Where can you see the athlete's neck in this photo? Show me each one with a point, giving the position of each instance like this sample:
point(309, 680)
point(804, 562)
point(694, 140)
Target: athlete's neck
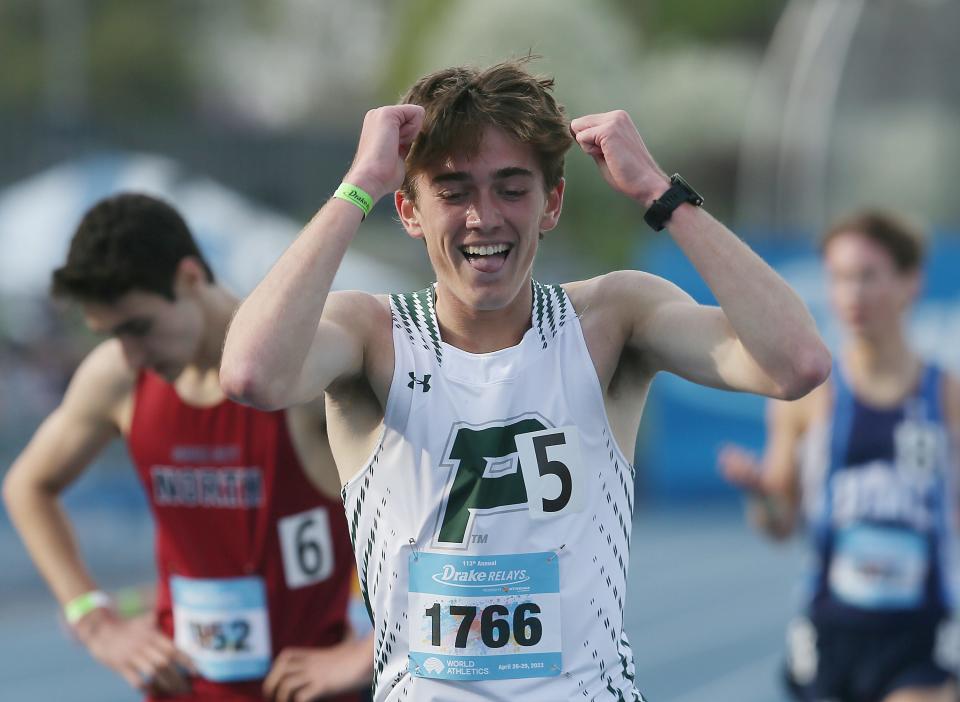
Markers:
point(199, 383)
point(881, 373)
point(885, 356)
point(218, 307)
point(483, 331)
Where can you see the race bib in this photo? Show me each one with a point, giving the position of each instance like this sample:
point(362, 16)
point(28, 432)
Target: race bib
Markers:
point(878, 567)
point(307, 547)
point(920, 449)
point(484, 617)
point(553, 472)
point(223, 626)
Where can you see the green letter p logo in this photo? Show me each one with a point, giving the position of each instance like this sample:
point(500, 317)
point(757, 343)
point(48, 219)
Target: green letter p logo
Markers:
point(486, 476)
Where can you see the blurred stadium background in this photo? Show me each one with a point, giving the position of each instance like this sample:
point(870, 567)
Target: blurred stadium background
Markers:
point(784, 113)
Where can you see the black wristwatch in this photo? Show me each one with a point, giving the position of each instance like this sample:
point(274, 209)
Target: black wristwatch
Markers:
point(678, 193)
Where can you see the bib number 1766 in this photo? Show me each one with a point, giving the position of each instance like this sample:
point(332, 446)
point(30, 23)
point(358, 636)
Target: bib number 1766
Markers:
point(495, 624)
point(491, 617)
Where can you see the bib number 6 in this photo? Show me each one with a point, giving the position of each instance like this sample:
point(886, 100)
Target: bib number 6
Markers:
point(307, 547)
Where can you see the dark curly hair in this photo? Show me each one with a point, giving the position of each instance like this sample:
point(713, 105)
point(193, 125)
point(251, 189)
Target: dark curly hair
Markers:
point(126, 242)
point(460, 102)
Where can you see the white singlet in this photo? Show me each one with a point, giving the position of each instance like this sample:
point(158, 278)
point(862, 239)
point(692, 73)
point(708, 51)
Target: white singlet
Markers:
point(492, 524)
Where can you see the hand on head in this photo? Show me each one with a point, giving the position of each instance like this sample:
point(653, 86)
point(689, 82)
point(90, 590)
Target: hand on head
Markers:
point(385, 139)
point(615, 145)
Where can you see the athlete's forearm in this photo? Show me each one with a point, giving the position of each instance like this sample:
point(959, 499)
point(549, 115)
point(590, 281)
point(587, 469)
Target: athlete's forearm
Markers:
point(771, 322)
point(38, 517)
point(272, 331)
point(270, 337)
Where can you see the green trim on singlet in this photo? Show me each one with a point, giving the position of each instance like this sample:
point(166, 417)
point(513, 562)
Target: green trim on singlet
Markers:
point(417, 313)
point(418, 316)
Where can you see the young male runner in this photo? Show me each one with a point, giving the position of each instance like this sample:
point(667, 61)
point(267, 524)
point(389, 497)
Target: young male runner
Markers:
point(865, 461)
point(253, 559)
point(478, 424)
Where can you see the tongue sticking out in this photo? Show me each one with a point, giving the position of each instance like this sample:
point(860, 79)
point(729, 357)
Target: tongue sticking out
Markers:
point(487, 264)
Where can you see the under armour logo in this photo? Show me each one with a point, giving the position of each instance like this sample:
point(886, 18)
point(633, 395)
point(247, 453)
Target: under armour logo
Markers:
point(414, 381)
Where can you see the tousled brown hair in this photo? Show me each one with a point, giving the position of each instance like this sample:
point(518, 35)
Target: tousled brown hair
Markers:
point(460, 102)
point(904, 242)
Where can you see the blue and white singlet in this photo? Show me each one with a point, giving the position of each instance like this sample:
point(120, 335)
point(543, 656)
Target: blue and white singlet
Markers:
point(877, 487)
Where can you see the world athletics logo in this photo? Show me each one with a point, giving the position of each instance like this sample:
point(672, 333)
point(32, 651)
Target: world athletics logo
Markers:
point(433, 665)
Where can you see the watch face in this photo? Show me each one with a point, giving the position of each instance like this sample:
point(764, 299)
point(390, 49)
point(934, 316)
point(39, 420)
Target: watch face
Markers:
point(679, 192)
point(692, 196)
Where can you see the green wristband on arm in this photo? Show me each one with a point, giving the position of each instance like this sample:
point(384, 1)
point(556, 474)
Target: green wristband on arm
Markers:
point(81, 605)
point(360, 198)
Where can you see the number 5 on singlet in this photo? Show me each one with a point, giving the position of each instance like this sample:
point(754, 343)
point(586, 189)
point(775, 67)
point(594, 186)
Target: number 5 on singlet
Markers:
point(552, 471)
point(484, 475)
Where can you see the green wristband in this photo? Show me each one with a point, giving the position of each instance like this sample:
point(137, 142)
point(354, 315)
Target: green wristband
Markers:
point(130, 601)
point(81, 605)
point(360, 198)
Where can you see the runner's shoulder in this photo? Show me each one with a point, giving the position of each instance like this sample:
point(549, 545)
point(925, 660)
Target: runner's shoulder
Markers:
point(624, 293)
point(354, 309)
point(102, 381)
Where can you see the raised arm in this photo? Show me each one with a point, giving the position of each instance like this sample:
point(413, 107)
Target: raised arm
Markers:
point(59, 451)
point(287, 343)
point(761, 339)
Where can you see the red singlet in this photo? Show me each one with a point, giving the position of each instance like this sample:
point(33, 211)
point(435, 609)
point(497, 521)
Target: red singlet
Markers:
point(231, 501)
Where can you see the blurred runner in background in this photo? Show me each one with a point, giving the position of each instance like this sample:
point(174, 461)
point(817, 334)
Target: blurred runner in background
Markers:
point(253, 558)
point(865, 462)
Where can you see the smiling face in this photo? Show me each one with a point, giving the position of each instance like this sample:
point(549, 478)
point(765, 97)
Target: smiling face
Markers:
point(481, 217)
point(868, 292)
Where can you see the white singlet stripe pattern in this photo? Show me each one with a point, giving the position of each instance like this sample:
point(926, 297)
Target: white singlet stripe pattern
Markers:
point(492, 524)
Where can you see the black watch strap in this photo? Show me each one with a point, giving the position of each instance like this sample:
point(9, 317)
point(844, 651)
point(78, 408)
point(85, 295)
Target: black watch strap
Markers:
point(678, 193)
